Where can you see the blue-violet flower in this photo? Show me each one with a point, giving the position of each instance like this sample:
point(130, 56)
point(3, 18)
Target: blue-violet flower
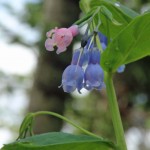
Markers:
point(73, 75)
point(72, 78)
point(94, 75)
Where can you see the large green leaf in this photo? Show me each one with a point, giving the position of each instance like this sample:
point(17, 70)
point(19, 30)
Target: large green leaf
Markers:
point(120, 13)
point(60, 141)
point(131, 44)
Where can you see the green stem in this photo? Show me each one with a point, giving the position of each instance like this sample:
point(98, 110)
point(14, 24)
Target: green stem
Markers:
point(65, 119)
point(115, 114)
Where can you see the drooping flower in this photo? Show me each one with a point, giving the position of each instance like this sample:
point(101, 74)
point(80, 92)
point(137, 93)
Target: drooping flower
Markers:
point(73, 75)
point(72, 78)
point(94, 75)
point(60, 38)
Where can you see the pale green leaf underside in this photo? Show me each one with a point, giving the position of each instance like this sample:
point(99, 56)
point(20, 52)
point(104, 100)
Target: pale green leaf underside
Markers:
point(60, 141)
point(128, 13)
point(121, 14)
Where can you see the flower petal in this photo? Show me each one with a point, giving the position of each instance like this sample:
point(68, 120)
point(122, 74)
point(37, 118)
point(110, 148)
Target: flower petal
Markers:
point(49, 44)
point(63, 36)
point(103, 38)
point(69, 87)
point(94, 76)
point(94, 56)
point(51, 32)
point(72, 78)
point(61, 49)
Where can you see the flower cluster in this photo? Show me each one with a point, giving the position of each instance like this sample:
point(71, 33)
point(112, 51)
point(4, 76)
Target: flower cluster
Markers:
point(87, 57)
point(85, 70)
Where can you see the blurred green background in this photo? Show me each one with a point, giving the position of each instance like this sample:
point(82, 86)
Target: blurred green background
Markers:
point(30, 76)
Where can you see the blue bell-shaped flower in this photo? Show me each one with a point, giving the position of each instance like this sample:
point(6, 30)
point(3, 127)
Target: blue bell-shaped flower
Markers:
point(72, 78)
point(94, 75)
point(73, 75)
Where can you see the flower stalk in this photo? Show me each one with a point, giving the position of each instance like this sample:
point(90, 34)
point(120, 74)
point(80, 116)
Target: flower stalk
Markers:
point(114, 111)
point(66, 120)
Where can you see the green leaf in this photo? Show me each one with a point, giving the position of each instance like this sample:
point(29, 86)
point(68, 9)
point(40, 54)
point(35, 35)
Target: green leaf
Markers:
point(85, 5)
point(26, 124)
point(109, 15)
point(60, 141)
point(120, 14)
point(131, 44)
point(86, 17)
